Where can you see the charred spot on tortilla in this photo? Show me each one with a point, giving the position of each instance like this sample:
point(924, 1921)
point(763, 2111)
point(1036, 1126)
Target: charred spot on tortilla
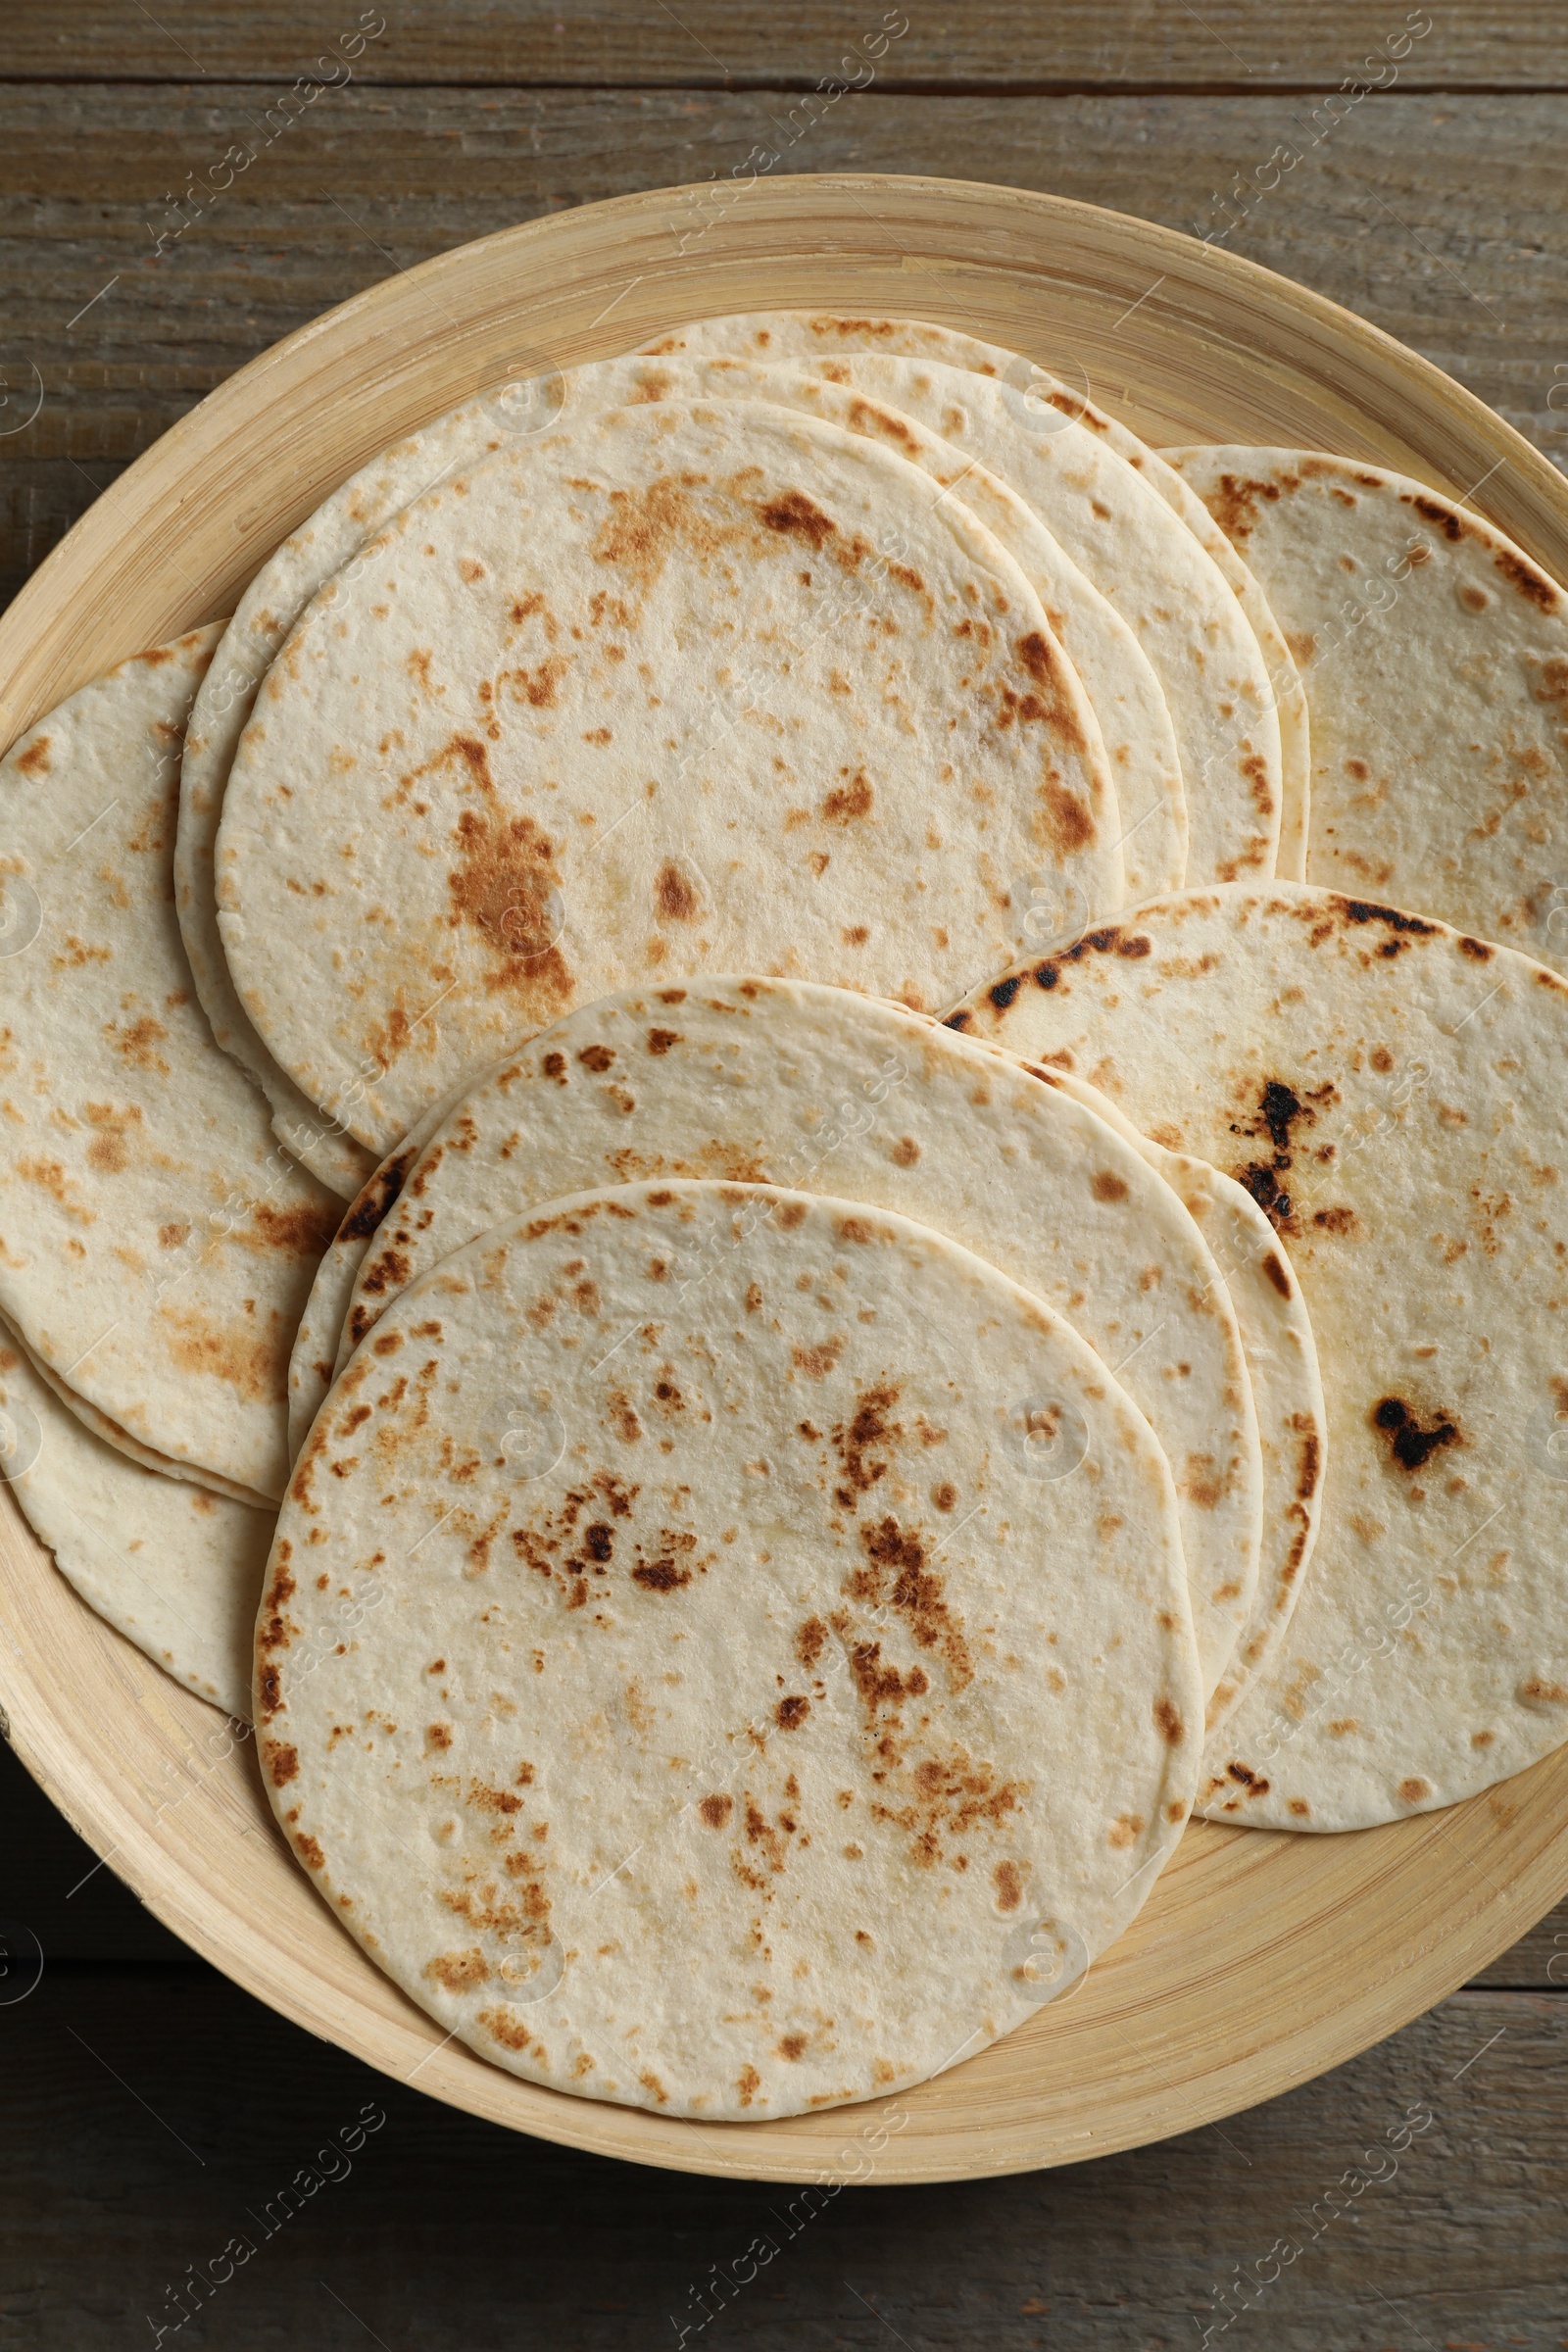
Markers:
point(1367, 911)
point(1410, 1444)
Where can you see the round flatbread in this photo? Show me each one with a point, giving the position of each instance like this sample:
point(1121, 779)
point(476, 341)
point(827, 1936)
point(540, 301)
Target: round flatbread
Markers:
point(1114, 520)
point(1390, 1091)
point(1123, 692)
point(916, 338)
point(275, 599)
point(1435, 656)
point(467, 796)
point(174, 1569)
point(156, 1242)
point(1287, 1389)
point(1116, 675)
point(726, 1651)
point(121, 1440)
point(315, 1342)
point(781, 1082)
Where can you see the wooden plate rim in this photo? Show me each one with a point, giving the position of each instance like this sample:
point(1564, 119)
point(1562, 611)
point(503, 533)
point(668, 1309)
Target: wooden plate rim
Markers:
point(1500, 1858)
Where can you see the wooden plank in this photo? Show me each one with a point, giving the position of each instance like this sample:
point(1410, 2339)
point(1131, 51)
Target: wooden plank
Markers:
point(1007, 44)
point(1538, 1960)
point(1436, 220)
point(1415, 2197)
point(56, 1887)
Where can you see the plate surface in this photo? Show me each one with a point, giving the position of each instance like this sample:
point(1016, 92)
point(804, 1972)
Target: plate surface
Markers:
point(1261, 1959)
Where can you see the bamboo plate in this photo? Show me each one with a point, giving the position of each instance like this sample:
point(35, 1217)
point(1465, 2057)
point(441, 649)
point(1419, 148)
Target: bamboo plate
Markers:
point(1261, 1959)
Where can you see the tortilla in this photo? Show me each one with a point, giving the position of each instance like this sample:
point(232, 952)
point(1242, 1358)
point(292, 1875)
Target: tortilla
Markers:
point(175, 1570)
point(275, 599)
point(1282, 1365)
point(111, 1434)
point(1284, 680)
point(316, 1342)
point(1435, 656)
point(156, 1245)
point(914, 338)
point(1118, 680)
point(428, 844)
point(1389, 1089)
point(750, 1744)
point(1116, 675)
point(1111, 520)
point(786, 1083)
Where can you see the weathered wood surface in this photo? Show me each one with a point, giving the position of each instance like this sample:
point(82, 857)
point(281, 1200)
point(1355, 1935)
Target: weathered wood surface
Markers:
point(1007, 44)
point(1437, 217)
point(1414, 2198)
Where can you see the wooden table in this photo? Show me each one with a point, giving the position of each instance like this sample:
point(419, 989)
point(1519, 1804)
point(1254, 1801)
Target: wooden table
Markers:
point(151, 2113)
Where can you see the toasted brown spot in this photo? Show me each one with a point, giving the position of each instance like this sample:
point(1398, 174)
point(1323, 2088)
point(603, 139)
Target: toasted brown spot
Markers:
point(870, 1428)
point(255, 1362)
point(1169, 1721)
point(716, 1810)
point(1009, 1885)
point(1367, 911)
point(1204, 1482)
point(1532, 584)
point(792, 511)
point(138, 1043)
point(660, 1576)
point(1106, 1187)
point(791, 1713)
point(499, 885)
point(1413, 1789)
point(304, 1231)
point(848, 802)
point(1274, 1268)
point(283, 1763)
point(674, 897)
point(917, 1593)
point(110, 1148)
point(1411, 1445)
point(1307, 1476)
point(459, 1972)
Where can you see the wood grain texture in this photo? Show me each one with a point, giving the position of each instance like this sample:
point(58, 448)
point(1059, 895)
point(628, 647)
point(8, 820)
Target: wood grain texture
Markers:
point(1260, 1959)
point(1436, 218)
point(440, 2233)
point(1007, 44)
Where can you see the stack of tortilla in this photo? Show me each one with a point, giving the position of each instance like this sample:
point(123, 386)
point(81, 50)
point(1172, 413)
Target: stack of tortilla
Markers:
point(860, 1083)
